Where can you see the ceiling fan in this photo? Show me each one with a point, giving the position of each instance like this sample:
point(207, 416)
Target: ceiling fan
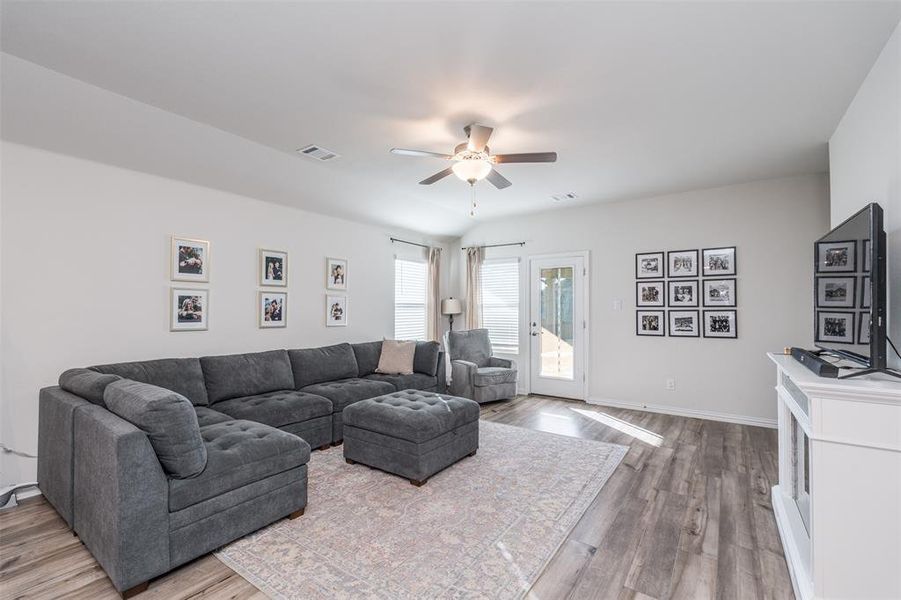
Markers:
point(473, 160)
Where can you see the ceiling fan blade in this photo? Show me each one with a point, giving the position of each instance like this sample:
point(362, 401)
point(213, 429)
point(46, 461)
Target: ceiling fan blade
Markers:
point(478, 136)
point(498, 180)
point(436, 177)
point(527, 157)
point(406, 152)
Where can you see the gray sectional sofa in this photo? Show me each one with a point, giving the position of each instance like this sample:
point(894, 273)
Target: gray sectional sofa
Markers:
point(155, 463)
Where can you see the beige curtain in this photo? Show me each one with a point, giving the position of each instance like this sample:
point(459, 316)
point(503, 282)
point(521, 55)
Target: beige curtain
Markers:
point(434, 299)
point(474, 259)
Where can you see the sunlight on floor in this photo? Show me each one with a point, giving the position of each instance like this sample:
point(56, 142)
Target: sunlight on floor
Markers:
point(556, 423)
point(648, 437)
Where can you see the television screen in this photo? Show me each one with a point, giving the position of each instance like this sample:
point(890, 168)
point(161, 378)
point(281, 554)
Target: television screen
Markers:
point(849, 289)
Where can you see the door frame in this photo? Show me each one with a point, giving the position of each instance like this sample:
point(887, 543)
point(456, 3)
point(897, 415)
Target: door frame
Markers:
point(586, 311)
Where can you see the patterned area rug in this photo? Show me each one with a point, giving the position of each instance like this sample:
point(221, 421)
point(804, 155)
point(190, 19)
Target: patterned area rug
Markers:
point(484, 527)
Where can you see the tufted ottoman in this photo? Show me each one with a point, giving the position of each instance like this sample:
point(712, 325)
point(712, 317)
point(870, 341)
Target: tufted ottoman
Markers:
point(411, 433)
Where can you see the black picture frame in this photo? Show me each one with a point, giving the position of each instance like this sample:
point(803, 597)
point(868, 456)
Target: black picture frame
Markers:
point(669, 264)
point(719, 273)
point(660, 283)
point(863, 325)
point(734, 301)
point(732, 334)
point(670, 295)
point(851, 266)
point(866, 291)
point(850, 303)
point(661, 261)
point(865, 256)
point(661, 314)
point(671, 330)
point(850, 318)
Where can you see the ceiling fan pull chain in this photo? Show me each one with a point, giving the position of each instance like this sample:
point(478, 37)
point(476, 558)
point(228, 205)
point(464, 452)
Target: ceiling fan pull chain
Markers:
point(472, 192)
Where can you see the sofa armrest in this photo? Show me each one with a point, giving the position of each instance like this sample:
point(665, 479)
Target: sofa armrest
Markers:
point(441, 374)
point(121, 498)
point(504, 363)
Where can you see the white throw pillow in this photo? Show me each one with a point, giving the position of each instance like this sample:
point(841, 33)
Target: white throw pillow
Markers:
point(396, 358)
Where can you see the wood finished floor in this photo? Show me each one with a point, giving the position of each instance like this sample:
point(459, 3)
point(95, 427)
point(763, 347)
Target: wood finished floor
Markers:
point(687, 514)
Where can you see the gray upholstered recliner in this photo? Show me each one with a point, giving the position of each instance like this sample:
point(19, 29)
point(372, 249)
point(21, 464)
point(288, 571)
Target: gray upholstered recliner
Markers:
point(475, 374)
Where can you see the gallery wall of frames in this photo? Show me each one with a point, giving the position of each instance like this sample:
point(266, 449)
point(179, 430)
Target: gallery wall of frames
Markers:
point(687, 293)
point(843, 292)
point(189, 305)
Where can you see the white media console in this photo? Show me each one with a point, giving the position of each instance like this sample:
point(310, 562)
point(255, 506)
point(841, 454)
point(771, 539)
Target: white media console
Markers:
point(838, 501)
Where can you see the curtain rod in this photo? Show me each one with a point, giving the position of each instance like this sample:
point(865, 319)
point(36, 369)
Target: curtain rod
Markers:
point(406, 242)
point(495, 245)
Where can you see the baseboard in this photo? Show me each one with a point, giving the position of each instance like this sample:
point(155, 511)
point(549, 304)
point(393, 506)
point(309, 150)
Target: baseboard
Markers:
point(687, 412)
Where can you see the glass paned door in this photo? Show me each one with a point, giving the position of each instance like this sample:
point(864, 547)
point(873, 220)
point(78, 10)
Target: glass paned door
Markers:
point(557, 326)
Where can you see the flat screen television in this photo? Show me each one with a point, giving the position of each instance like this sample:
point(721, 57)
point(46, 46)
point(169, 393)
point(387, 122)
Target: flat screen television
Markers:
point(849, 290)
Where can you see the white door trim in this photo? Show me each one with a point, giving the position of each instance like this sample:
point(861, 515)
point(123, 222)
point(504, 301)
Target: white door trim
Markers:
point(586, 311)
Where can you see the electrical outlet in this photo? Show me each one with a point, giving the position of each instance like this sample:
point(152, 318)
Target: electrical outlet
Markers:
point(671, 384)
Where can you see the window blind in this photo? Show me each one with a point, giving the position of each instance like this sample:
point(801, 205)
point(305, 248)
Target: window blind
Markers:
point(500, 303)
point(409, 299)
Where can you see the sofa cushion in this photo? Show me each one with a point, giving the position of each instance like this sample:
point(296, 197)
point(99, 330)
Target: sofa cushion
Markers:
point(239, 453)
point(416, 381)
point(277, 409)
point(86, 383)
point(315, 365)
point(411, 415)
point(425, 360)
point(397, 357)
point(473, 346)
point(493, 376)
point(237, 375)
point(167, 418)
point(208, 416)
point(367, 354)
point(348, 391)
point(182, 375)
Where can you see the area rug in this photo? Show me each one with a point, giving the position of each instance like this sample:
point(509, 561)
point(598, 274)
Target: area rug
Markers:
point(485, 527)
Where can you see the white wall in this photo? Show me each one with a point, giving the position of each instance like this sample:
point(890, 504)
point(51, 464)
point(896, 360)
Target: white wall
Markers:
point(85, 280)
point(865, 163)
point(773, 224)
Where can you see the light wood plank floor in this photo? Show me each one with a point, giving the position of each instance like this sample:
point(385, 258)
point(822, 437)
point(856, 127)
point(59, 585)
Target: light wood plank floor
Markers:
point(686, 515)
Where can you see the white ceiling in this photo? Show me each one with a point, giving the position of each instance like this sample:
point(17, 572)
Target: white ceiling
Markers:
point(637, 98)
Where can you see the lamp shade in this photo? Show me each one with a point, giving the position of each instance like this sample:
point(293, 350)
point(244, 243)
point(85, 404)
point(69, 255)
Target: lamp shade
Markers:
point(451, 306)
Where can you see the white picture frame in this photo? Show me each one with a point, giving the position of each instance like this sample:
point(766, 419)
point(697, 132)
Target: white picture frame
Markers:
point(273, 268)
point(336, 273)
point(189, 260)
point(189, 309)
point(335, 310)
point(272, 309)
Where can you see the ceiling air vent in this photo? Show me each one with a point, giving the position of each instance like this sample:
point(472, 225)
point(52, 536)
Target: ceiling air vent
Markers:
point(318, 152)
point(564, 197)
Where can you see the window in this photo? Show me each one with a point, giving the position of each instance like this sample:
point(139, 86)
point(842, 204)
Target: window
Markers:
point(409, 299)
point(500, 303)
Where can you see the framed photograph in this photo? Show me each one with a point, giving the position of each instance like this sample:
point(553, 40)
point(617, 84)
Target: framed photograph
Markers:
point(836, 292)
point(335, 310)
point(650, 293)
point(273, 308)
point(650, 322)
point(649, 265)
point(682, 293)
point(336, 273)
point(865, 250)
point(720, 324)
point(719, 292)
point(273, 268)
point(863, 328)
point(866, 291)
point(682, 263)
point(188, 309)
point(684, 323)
point(836, 257)
point(836, 327)
point(718, 261)
point(189, 260)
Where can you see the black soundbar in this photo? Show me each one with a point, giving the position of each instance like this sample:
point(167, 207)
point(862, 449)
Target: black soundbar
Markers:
point(815, 363)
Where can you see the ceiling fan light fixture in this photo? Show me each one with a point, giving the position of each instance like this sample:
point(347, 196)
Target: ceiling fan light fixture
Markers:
point(471, 169)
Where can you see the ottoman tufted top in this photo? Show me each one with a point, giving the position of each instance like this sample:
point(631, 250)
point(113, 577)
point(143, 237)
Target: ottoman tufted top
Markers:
point(411, 415)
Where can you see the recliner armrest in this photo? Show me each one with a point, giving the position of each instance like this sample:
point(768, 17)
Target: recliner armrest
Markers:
point(503, 363)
